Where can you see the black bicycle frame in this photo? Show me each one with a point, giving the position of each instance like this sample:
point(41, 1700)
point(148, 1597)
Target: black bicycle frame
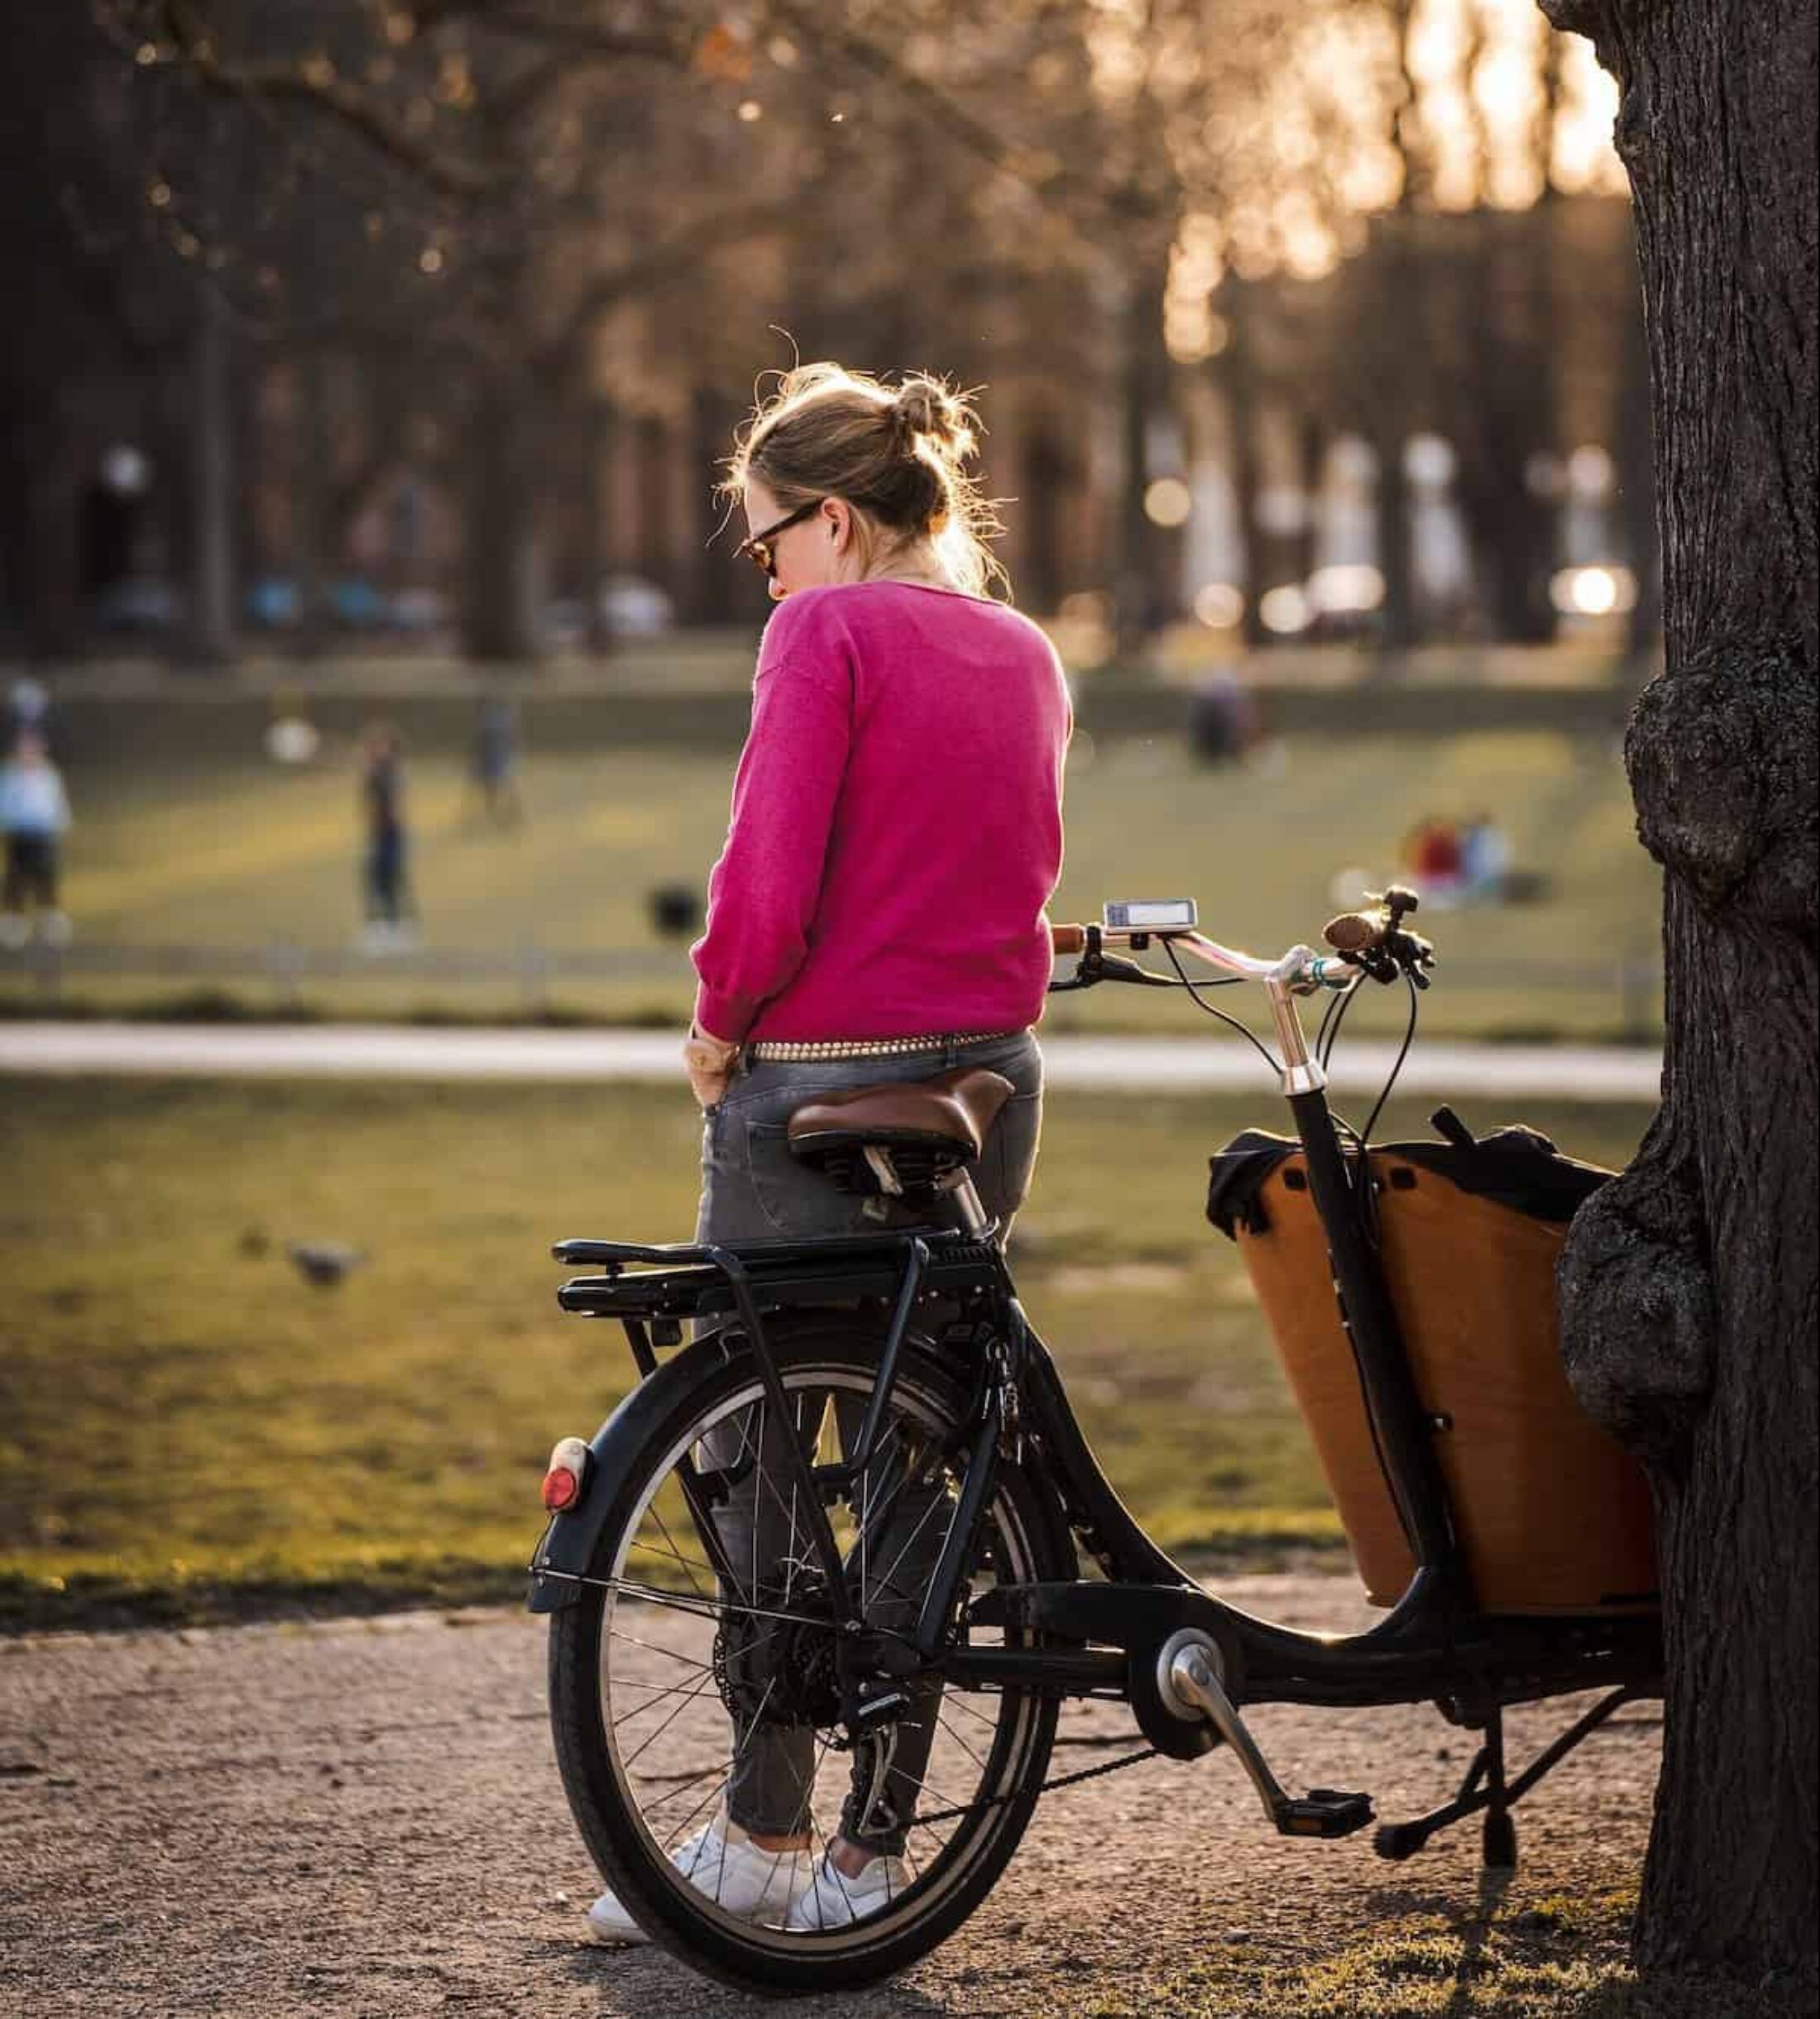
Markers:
point(1081, 1636)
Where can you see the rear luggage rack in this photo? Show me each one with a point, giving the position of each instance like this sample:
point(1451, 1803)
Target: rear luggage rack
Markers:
point(684, 1280)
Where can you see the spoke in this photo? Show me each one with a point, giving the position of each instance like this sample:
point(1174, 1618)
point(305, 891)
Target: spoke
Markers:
point(944, 1724)
point(689, 1565)
point(713, 1794)
point(650, 1739)
point(946, 1799)
point(943, 1501)
point(758, 1481)
point(720, 1611)
point(684, 1777)
point(957, 1700)
point(617, 1683)
point(652, 1648)
point(688, 1686)
point(739, 1753)
point(806, 1807)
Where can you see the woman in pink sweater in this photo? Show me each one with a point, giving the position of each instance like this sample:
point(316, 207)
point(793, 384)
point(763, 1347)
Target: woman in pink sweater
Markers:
point(876, 914)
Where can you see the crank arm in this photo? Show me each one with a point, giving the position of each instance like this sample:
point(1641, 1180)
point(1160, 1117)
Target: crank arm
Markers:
point(1322, 1812)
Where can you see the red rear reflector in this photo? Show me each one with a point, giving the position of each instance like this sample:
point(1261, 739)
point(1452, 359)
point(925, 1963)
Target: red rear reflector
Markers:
point(568, 1468)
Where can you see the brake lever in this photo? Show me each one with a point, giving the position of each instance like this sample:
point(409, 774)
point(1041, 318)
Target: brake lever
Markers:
point(1412, 955)
point(1092, 970)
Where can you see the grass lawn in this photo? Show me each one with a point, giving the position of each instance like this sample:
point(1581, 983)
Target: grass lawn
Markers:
point(1511, 1954)
point(187, 1429)
point(215, 851)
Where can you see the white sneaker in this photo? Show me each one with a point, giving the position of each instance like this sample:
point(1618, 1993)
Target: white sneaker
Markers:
point(14, 930)
point(722, 1861)
point(832, 1900)
point(54, 929)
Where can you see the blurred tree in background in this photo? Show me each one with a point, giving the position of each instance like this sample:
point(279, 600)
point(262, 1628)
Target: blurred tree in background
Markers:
point(1271, 301)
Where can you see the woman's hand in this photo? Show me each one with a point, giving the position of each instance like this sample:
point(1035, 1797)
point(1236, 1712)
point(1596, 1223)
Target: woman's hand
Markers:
point(709, 1061)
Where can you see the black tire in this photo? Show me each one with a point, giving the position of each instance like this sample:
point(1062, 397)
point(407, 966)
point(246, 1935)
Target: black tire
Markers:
point(1025, 1537)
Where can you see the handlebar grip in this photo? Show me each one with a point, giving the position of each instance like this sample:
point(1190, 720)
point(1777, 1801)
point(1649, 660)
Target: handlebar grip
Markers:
point(1068, 939)
point(1356, 931)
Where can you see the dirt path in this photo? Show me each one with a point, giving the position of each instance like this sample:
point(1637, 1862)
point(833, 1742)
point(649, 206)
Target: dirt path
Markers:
point(363, 1818)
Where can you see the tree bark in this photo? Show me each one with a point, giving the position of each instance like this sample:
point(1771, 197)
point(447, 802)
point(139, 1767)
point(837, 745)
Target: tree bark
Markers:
point(1394, 296)
point(601, 431)
point(1233, 374)
point(209, 639)
point(1690, 1293)
point(1636, 505)
point(44, 560)
point(1506, 416)
point(310, 503)
point(1141, 601)
point(500, 556)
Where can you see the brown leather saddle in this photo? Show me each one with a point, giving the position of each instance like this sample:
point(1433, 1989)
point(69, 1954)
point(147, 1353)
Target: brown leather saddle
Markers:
point(903, 1139)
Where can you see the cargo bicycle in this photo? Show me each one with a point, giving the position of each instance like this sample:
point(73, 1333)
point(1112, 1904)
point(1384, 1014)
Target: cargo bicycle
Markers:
point(853, 1523)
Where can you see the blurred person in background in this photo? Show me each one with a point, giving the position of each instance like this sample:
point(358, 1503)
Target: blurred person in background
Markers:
point(34, 817)
point(1431, 855)
point(876, 914)
point(495, 761)
point(391, 915)
point(28, 709)
point(1485, 861)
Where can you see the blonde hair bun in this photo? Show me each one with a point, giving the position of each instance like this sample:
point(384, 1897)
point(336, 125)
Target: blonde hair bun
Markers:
point(897, 454)
point(925, 409)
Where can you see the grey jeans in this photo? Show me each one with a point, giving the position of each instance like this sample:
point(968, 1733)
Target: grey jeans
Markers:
point(753, 1188)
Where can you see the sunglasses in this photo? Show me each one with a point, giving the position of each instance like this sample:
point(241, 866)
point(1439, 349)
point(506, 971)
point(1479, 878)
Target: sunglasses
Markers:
point(759, 549)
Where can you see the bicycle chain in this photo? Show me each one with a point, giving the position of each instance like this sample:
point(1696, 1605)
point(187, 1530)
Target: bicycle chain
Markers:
point(1066, 1780)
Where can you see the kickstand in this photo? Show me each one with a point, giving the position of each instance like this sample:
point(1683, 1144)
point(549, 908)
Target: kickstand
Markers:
point(1485, 1787)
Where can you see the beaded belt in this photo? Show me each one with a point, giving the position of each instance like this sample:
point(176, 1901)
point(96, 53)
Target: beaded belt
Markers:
point(770, 1051)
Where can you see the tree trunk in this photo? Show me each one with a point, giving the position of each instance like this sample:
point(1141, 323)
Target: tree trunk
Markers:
point(1636, 502)
point(1393, 296)
point(713, 419)
point(1311, 456)
point(1140, 598)
point(210, 640)
point(46, 589)
point(1689, 1291)
point(1507, 417)
point(1395, 548)
point(602, 436)
point(500, 560)
point(1233, 374)
point(1047, 472)
point(309, 502)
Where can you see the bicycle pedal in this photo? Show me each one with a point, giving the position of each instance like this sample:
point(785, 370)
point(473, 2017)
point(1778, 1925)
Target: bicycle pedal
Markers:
point(1324, 1812)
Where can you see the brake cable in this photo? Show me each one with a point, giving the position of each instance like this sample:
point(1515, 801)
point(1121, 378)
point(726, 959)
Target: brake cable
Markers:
point(1409, 1039)
point(1193, 989)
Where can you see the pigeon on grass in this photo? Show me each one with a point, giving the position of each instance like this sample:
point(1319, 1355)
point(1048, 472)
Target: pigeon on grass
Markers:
point(325, 1263)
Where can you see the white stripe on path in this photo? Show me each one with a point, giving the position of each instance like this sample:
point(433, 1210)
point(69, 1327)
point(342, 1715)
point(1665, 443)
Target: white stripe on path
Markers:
point(1137, 1065)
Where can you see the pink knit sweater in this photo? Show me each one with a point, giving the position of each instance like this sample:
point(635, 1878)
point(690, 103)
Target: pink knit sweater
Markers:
point(897, 822)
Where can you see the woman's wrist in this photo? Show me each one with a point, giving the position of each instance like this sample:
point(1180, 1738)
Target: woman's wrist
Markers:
point(711, 1053)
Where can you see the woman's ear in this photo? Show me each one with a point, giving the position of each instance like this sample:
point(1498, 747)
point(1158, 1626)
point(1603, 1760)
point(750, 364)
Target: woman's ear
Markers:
point(837, 521)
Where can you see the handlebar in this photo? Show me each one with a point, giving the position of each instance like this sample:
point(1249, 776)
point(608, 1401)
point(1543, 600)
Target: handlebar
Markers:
point(1370, 941)
point(1300, 967)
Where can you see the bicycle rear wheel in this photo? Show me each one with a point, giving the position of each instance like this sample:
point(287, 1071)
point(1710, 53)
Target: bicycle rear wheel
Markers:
point(674, 1691)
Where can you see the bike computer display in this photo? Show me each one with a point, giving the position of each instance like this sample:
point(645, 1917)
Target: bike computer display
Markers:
point(1153, 914)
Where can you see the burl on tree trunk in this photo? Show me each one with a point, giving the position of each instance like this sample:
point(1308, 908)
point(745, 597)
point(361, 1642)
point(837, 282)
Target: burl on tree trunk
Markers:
point(1689, 1289)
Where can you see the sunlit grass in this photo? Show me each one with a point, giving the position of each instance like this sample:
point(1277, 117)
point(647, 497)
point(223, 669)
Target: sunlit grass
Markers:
point(1513, 1954)
point(212, 852)
point(186, 1424)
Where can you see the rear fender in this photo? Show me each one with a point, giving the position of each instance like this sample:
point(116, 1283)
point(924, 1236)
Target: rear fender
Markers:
point(566, 1549)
